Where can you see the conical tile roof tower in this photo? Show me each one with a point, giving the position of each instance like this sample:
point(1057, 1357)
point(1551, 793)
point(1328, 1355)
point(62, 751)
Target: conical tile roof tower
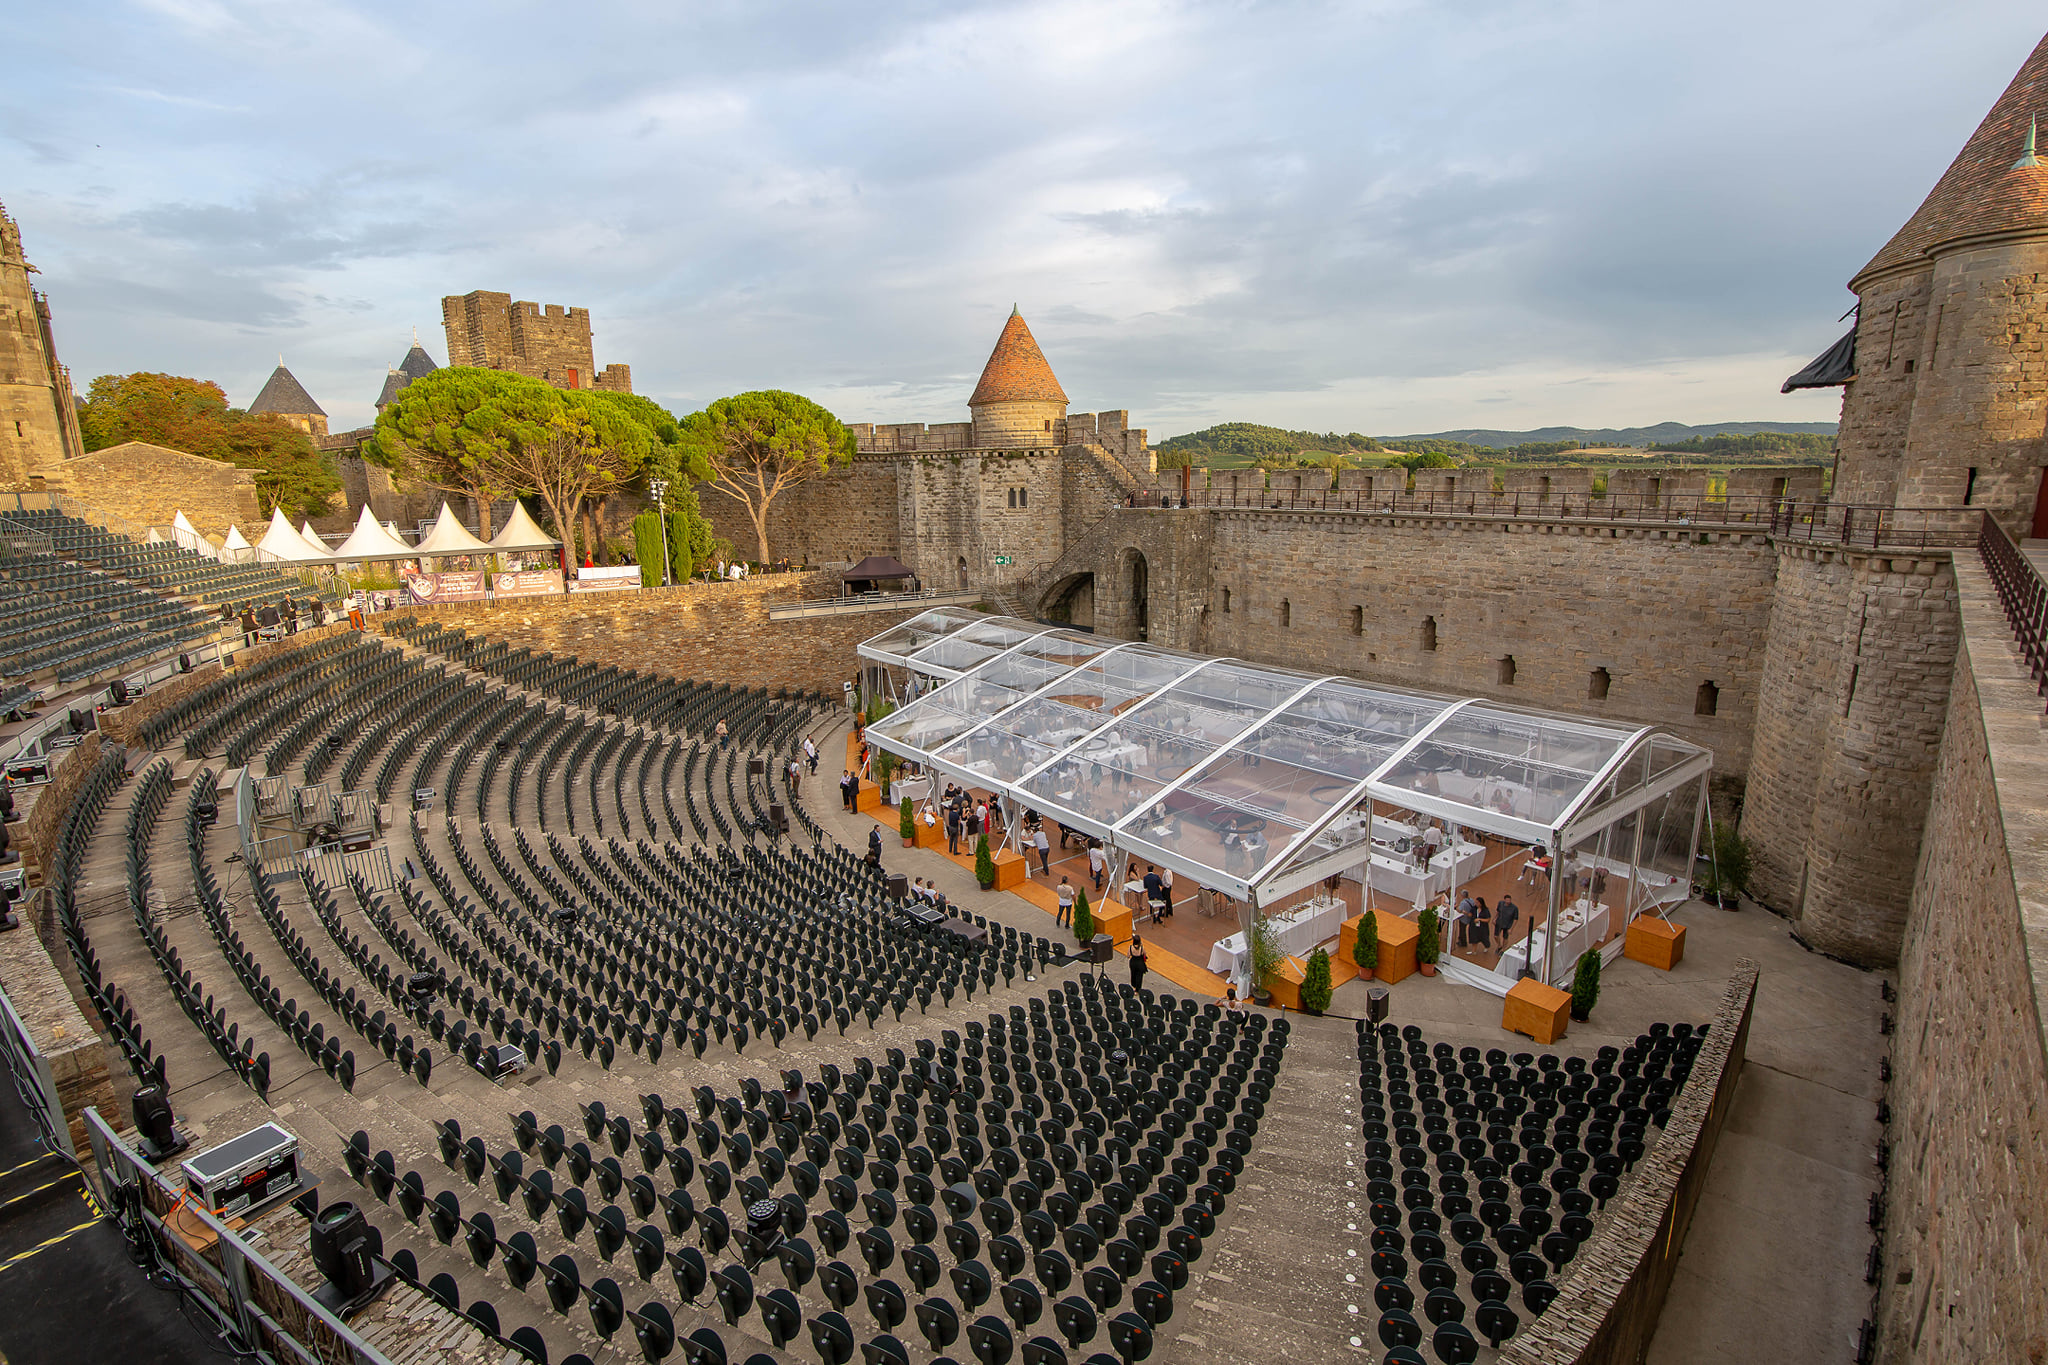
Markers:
point(1995, 186)
point(1018, 402)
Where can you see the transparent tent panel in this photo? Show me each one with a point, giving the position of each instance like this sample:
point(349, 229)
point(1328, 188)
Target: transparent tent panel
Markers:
point(930, 722)
point(1529, 766)
point(977, 644)
point(919, 631)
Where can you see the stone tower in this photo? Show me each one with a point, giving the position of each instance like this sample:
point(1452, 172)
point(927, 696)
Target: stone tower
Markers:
point(491, 332)
point(1018, 401)
point(1951, 383)
point(38, 417)
point(1945, 409)
point(284, 396)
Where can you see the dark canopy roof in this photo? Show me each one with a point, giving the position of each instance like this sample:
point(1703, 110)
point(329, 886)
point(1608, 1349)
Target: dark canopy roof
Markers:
point(416, 365)
point(1835, 365)
point(876, 566)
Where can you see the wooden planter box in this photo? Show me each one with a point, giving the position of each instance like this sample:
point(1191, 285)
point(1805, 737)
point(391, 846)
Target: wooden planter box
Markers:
point(1112, 919)
point(870, 798)
point(1542, 1012)
point(1009, 868)
point(931, 836)
point(1398, 938)
point(1285, 983)
point(1655, 942)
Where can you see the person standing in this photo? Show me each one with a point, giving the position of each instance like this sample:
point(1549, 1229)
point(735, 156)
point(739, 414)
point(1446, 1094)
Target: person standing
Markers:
point(1137, 963)
point(1066, 894)
point(1098, 863)
point(953, 828)
point(847, 787)
point(1155, 892)
point(291, 617)
point(724, 737)
point(248, 622)
point(1466, 907)
point(1482, 923)
point(875, 846)
point(1504, 916)
point(811, 754)
point(1044, 847)
point(796, 777)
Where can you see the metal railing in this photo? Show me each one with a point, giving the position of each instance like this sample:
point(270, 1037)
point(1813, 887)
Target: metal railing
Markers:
point(33, 1079)
point(245, 1294)
point(1820, 521)
point(871, 601)
point(2022, 593)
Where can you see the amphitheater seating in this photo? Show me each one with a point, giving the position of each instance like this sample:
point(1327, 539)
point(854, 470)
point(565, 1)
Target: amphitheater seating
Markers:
point(1509, 1158)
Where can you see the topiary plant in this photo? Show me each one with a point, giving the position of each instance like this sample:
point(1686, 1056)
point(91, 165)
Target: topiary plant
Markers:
point(1586, 985)
point(1084, 918)
point(1429, 943)
point(1365, 951)
point(1315, 983)
point(906, 824)
point(984, 864)
point(1266, 954)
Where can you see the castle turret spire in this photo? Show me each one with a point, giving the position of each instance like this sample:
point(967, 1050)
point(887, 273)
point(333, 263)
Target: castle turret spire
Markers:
point(2027, 159)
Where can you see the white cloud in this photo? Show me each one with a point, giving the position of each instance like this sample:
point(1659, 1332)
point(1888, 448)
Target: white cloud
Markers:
point(1387, 217)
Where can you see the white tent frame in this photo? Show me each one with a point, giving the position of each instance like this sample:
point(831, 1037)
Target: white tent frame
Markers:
point(1289, 869)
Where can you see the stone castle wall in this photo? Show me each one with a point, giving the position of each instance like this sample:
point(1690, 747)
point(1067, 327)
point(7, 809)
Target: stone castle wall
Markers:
point(1877, 406)
point(37, 426)
point(1659, 611)
point(148, 485)
point(490, 331)
point(1983, 390)
point(1020, 424)
point(1854, 690)
point(718, 632)
point(1966, 1186)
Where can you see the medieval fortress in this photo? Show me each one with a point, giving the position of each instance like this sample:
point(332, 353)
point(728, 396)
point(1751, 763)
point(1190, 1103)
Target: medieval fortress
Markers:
point(1843, 665)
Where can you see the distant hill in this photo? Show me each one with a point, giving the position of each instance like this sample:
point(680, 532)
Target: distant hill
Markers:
point(1664, 433)
point(1243, 443)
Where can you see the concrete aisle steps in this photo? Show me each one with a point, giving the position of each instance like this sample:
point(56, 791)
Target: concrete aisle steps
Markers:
point(1270, 1285)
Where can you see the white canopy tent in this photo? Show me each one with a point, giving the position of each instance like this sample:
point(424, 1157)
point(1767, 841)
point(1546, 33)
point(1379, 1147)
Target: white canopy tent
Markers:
point(1261, 781)
point(236, 548)
point(312, 538)
point(186, 536)
point(282, 543)
point(450, 537)
point(521, 533)
point(370, 542)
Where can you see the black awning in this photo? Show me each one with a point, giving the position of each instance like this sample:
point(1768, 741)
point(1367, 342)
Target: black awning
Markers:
point(1835, 365)
point(876, 567)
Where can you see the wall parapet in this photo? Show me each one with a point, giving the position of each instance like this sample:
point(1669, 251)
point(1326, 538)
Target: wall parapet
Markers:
point(1607, 1308)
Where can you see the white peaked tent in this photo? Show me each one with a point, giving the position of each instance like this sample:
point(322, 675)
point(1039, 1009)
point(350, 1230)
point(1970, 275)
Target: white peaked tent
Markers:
point(521, 534)
point(281, 542)
point(312, 538)
point(236, 548)
point(369, 542)
point(155, 537)
point(450, 537)
point(186, 535)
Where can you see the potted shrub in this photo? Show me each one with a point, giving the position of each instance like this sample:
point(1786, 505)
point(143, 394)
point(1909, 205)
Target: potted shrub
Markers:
point(1731, 867)
point(1429, 944)
point(1586, 985)
point(1265, 948)
point(906, 823)
point(1315, 983)
point(1365, 950)
point(984, 864)
point(1084, 918)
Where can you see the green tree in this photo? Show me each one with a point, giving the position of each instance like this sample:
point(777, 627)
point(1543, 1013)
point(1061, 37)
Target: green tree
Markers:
point(757, 446)
point(1365, 949)
point(1586, 984)
point(906, 824)
point(984, 863)
point(577, 450)
point(1084, 918)
point(454, 429)
point(1315, 983)
point(193, 415)
point(647, 548)
point(1429, 937)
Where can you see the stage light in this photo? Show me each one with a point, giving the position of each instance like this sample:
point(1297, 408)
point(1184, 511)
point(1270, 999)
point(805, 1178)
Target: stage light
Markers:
point(157, 1124)
point(342, 1249)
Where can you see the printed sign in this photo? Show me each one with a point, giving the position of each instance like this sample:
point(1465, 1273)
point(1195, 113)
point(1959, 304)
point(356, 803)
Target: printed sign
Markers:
point(529, 583)
point(1002, 559)
point(599, 580)
point(445, 587)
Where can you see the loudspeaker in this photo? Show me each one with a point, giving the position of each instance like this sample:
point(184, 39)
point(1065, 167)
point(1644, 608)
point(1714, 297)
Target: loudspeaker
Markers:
point(1376, 1005)
point(757, 767)
point(897, 887)
point(1101, 948)
point(779, 818)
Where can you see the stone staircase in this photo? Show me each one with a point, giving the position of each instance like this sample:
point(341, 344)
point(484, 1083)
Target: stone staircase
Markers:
point(1271, 1284)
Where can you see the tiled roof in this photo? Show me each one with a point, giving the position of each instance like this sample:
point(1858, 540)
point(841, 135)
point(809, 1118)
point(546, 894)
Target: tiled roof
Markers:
point(1016, 371)
point(284, 394)
point(1982, 191)
point(417, 363)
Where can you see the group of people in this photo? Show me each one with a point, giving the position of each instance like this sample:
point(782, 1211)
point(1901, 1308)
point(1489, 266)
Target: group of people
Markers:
point(1477, 923)
point(969, 816)
point(255, 618)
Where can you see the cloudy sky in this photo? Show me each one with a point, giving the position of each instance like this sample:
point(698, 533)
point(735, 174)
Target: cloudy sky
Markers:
point(1384, 217)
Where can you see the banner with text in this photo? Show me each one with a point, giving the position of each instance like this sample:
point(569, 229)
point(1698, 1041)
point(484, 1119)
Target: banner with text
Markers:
point(528, 583)
point(591, 579)
point(445, 587)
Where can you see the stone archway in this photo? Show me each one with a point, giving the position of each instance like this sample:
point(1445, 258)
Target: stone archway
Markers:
point(1071, 601)
point(1138, 579)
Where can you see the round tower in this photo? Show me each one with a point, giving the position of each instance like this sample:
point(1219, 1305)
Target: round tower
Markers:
point(1018, 401)
point(1945, 409)
point(283, 396)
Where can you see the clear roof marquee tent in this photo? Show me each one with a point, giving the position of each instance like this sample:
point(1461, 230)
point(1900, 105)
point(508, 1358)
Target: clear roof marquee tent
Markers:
point(1165, 753)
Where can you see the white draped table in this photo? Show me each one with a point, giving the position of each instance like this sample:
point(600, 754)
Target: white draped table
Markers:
point(1298, 932)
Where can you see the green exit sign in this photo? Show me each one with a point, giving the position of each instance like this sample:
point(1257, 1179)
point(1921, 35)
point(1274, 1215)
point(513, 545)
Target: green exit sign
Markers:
point(1002, 559)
